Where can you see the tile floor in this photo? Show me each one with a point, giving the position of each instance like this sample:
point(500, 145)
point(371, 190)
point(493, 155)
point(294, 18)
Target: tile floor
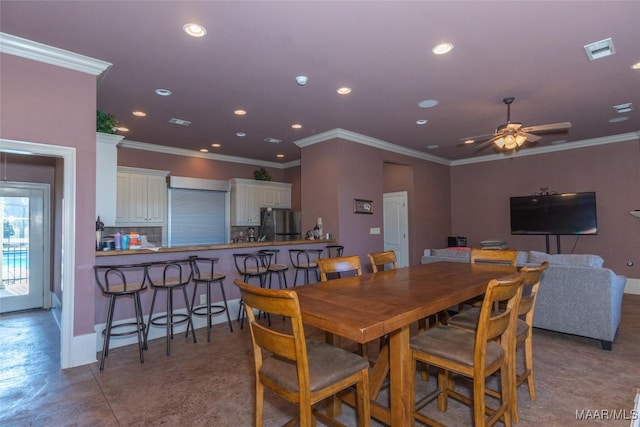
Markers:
point(211, 384)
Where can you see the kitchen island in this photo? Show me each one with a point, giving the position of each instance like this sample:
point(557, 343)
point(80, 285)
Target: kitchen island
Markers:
point(224, 252)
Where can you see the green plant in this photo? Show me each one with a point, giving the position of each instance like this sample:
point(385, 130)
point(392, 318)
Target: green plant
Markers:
point(106, 122)
point(261, 175)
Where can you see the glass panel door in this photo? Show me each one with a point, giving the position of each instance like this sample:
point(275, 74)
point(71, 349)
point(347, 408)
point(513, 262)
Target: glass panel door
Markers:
point(22, 212)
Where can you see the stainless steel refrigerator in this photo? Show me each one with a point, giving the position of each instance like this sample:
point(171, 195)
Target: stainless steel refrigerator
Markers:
point(279, 225)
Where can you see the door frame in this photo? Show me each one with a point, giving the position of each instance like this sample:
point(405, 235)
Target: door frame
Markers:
point(405, 197)
point(69, 357)
point(45, 274)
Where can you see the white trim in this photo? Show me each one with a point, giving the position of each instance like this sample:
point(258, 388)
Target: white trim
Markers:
point(632, 287)
point(83, 352)
point(108, 138)
point(35, 51)
point(142, 171)
point(136, 145)
point(623, 137)
point(369, 141)
point(69, 353)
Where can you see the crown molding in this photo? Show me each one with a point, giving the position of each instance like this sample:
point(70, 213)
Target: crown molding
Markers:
point(108, 138)
point(136, 145)
point(14, 45)
point(369, 141)
point(592, 142)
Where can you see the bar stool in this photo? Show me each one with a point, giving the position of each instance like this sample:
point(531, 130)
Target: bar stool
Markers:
point(252, 265)
point(334, 250)
point(118, 281)
point(173, 275)
point(202, 270)
point(305, 260)
point(278, 269)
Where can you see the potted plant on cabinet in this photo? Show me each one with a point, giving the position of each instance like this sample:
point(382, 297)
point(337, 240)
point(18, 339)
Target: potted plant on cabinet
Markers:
point(106, 122)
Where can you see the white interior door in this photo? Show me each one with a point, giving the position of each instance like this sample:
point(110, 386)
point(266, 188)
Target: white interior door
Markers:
point(24, 211)
point(396, 223)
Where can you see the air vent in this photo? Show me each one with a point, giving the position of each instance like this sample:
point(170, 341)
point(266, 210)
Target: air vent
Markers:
point(179, 122)
point(273, 140)
point(600, 49)
point(623, 108)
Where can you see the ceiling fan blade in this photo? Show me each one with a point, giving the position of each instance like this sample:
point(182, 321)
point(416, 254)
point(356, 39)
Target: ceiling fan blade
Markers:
point(485, 144)
point(531, 137)
point(548, 128)
point(476, 139)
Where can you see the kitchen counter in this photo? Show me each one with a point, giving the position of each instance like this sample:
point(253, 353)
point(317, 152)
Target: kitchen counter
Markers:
point(194, 248)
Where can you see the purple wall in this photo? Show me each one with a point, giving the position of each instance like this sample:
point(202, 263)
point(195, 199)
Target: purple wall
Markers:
point(52, 105)
point(480, 199)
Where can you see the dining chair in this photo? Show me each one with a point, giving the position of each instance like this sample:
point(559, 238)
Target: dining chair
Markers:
point(382, 259)
point(473, 354)
point(468, 319)
point(170, 276)
point(339, 265)
point(488, 256)
point(302, 371)
point(305, 260)
point(116, 282)
point(203, 273)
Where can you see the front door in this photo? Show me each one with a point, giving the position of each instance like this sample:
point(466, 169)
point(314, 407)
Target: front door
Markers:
point(24, 212)
point(395, 221)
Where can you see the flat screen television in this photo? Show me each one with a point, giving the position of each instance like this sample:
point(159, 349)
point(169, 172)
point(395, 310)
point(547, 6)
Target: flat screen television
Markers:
point(559, 214)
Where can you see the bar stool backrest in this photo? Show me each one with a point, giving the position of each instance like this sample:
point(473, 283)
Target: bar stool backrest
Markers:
point(202, 267)
point(252, 263)
point(305, 258)
point(174, 273)
point(121, 279)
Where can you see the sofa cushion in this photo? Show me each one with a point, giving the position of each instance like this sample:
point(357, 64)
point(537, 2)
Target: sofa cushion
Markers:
point(462, 253)
point(576, 260)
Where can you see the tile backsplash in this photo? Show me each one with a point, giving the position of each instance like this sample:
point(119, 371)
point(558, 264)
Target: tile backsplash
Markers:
point(154, 234)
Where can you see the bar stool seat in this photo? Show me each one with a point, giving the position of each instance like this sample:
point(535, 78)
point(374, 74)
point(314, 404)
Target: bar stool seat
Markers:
point(117, 281)
point(203, 273)
point(170, 276)
point(305, 260)
point(279, 269)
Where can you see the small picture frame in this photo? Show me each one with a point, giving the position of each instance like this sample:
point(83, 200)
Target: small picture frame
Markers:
point(361, 206)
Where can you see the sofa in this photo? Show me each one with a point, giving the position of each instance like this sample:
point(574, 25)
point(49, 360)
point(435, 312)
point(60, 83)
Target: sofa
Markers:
point(577, 295)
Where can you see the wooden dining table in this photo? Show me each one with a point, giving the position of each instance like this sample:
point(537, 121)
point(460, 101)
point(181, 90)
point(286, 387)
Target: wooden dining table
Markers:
point(365, 308)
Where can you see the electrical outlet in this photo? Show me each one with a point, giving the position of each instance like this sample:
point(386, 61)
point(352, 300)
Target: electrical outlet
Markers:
point(203, 298)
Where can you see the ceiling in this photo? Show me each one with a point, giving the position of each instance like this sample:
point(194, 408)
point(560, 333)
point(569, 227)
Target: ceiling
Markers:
point(253, 51)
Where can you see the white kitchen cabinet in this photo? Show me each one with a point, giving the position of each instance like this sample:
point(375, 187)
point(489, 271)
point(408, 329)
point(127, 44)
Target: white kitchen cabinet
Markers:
point(141, 197)
point(107, 170)
point(248, 196)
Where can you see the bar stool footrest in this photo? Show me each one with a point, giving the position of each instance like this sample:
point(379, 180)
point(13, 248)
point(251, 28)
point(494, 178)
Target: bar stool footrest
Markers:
point(202, 310)
point(124, 333)
point(157, 321)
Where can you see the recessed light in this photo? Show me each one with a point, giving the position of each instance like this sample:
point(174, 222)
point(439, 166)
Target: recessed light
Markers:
point(428, 103)
point(241, 134)
point(344, 90)
point(239, 112)
point(442, 48)
point(122, 129)
point(204, 150)
point(280, 156)
point(194, 30)
point(636, 66)
point(216, 145)
point(296, 126)
point(163, 92)
point(432, 146)
point(302, 80)
point(139, 113)
point(618, 119)
point(421, 122)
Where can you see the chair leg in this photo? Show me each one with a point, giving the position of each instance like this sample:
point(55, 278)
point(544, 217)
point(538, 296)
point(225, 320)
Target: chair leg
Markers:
point(107, 331)
point(189, 318)
point(259, 403)
point(193, 303)
point(528, 364)
point(139, 325)
point(224, 300)
point(150, 318)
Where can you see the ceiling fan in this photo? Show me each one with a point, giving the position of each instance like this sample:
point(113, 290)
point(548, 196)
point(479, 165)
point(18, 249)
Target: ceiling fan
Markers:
point(512, 136)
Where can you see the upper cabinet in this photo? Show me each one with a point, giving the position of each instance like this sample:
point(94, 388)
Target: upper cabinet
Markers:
point(248, 196)
point(107, 167)
point(142, 197)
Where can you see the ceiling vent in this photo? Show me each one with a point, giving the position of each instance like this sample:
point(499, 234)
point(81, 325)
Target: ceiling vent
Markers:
point(623, 108)
point(179, 122)
point(600, 49)
point(273, 140)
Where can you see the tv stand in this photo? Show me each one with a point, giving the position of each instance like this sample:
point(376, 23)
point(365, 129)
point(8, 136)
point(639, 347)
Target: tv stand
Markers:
point(557, 243)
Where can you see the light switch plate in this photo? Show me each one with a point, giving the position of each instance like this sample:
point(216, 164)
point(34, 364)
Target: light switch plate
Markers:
point(374, 230)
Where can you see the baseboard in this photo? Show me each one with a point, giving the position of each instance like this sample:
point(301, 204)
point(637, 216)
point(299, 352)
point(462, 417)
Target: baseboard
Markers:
point(159, 331)
point(632, 287)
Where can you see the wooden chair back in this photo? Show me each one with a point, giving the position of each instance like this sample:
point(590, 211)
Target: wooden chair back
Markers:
point(382, 259)
point(343, 264)
point(500, 256)
point(531, 281)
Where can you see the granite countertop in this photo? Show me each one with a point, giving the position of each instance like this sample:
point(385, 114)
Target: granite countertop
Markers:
point(165, 249)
